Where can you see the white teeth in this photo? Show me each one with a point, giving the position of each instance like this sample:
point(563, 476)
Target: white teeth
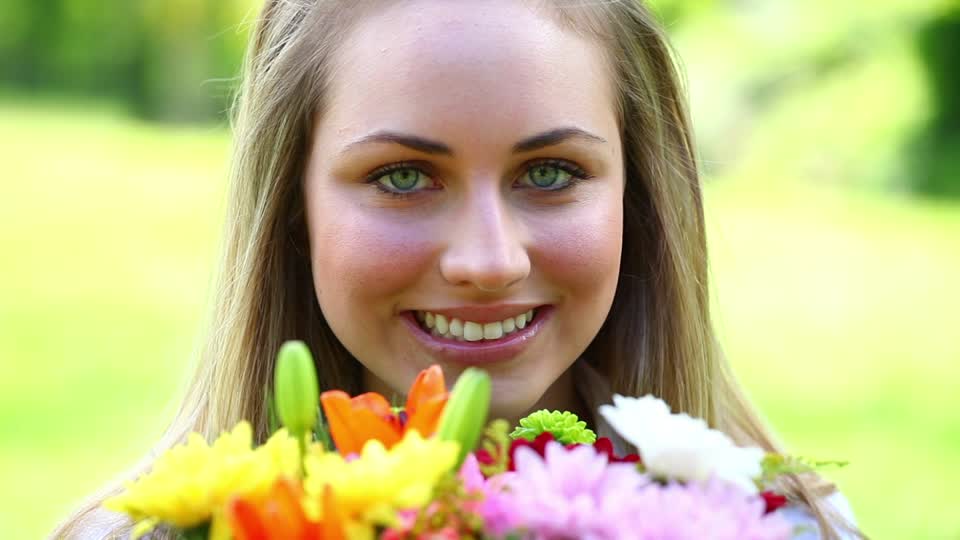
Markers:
point(441, 323)
point(493, 330)
point(455, 329)
point(521, 320)
point(472, 331)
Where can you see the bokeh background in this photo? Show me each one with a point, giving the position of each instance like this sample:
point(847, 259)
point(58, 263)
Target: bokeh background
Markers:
point(830, 139)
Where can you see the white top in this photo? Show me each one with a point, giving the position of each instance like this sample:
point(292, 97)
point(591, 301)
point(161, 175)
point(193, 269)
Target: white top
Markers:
point(595, 391)
point(799, 516)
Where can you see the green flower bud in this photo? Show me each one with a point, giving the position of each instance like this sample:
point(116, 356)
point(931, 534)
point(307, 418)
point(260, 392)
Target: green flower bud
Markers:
point(465, 415)
point(295, 388)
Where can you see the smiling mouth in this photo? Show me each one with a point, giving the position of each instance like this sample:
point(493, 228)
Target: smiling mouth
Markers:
point(456, 329)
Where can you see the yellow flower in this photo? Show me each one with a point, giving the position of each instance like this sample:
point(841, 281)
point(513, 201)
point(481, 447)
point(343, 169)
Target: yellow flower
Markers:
point(190, 483)
point(370, 489)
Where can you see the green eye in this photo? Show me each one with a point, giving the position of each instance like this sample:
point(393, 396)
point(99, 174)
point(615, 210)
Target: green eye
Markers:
point(549, 176)
point(403, 179)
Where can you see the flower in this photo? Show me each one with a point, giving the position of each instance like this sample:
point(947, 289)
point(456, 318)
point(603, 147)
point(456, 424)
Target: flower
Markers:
point(408, 525)
point(603, 446)
point(715, 510)
point(486, 497)
point(370, 489)
point(571, 493)
point(466, 411)
point(278, 514)
point(369, 416)
point(565, 427)
point(677, 446)
point(772, 501)
point(576, 493)
point(295, 388)
point(191, 483)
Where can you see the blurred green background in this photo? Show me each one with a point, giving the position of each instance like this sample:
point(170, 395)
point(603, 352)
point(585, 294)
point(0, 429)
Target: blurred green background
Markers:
point(830, 137)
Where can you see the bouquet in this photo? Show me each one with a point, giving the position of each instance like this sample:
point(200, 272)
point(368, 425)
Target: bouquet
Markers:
point(435, 469)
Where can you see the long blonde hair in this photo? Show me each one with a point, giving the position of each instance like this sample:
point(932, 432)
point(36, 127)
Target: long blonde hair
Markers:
point(657, 338)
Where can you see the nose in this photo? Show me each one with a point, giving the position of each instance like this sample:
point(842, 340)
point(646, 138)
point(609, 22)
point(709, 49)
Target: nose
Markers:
point(486, 248)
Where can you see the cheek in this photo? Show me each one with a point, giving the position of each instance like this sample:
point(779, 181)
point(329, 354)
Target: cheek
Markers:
point(581, 253)
point(362, 261)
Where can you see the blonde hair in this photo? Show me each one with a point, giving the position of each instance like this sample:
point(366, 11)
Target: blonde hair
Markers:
point(657, 338)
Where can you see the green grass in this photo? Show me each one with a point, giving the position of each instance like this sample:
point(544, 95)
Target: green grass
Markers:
point(839, 313)
point(837, 309)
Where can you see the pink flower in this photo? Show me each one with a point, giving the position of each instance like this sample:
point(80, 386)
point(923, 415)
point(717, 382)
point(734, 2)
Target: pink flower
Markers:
point(572, 493)
point(577, 493)
point(492, 502)
point(715, 509)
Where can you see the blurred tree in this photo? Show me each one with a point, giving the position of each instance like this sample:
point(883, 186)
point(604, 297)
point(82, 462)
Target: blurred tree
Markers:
point(672, 12)
point(169, 59)
point(937, 150)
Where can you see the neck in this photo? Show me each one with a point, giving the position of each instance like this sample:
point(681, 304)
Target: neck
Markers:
point(563, 396)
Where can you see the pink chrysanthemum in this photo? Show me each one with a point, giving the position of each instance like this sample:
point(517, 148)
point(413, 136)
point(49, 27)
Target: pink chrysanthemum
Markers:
point(714, 509)
point(571, 493)
point(576, 493)
point(493, 503)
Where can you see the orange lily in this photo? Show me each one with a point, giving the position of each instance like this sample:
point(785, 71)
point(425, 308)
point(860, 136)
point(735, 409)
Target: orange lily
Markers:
point(354, 421)
point(280, 514)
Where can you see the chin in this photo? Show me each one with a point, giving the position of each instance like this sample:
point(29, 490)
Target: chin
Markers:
point(511, 405)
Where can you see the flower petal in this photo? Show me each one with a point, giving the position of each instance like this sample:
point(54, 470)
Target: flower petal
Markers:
point(354, 422)
point(428, 385)
point(372, 402)
point(246, 521)
point(426, 417)
point(332, 521)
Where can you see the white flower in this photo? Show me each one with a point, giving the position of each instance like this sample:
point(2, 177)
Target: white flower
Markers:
point(680, 447)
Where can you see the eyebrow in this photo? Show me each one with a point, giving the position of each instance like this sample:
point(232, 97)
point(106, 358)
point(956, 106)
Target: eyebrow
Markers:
point(427, 146)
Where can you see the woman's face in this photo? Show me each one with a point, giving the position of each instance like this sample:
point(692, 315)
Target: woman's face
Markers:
point(467, 174)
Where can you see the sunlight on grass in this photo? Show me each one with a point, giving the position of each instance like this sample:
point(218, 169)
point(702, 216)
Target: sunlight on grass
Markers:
point(837, 310)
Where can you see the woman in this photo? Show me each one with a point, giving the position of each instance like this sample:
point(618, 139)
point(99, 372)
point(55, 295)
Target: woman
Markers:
point(510, 184)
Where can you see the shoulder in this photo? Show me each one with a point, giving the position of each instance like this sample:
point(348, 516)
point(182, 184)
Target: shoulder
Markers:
point(97, 524)
point(801, 518)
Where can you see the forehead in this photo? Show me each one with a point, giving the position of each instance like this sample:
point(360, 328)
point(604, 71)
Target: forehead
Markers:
point(496, 68)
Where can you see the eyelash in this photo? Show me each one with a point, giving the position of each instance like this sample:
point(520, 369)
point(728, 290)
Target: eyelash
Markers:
point(577, 175)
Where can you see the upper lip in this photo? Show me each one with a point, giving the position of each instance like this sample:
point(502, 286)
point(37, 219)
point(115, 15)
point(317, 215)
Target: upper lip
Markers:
point(483, 314)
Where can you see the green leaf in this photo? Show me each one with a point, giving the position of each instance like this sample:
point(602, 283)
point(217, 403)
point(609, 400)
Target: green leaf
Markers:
point(273, 419)
point(200, 532)
point(774, 465)
point(322, 432)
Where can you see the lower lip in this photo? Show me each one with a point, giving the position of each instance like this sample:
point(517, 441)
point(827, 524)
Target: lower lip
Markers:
point(475, 353)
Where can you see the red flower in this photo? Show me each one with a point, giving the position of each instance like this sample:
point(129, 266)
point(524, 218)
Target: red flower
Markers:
point(605, 446)
point(773, 501)
point(539, 445)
